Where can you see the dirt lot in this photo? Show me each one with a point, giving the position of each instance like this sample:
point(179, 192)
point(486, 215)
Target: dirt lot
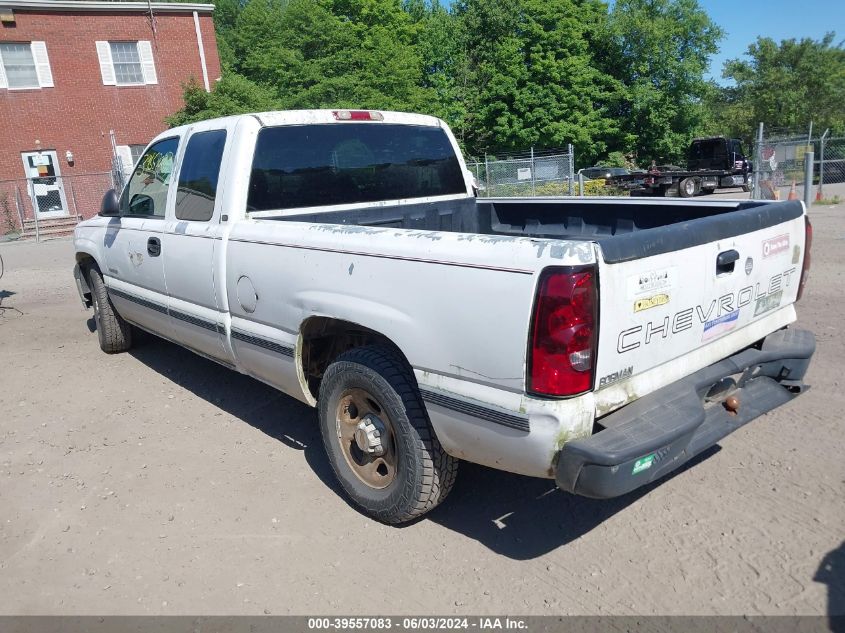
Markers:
point(158, 482)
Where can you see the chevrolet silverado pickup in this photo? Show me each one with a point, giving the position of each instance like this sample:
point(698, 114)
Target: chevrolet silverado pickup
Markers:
point(342, 257)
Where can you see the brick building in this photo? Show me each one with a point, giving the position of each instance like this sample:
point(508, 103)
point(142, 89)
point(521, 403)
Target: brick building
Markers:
point(83, 83)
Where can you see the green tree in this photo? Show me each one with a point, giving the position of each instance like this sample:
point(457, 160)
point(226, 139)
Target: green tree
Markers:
point(332, 53)
point(785, 85)
point(534, 78)
point(440, 40)
point(233, 94)
point(256, 38)
point(226, 14)
point(660, 50)
point(318, 53)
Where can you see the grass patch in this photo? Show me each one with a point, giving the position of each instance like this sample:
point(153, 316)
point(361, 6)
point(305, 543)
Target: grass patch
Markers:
point(833, 200)
point(557, 188)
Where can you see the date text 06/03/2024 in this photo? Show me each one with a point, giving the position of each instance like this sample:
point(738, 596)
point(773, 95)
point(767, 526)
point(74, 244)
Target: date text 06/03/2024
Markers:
point(417, 623)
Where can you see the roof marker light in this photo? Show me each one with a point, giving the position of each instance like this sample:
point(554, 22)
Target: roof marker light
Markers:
point(357, 115)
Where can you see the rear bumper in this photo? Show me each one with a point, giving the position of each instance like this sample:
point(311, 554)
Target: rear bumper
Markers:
point(661, 431)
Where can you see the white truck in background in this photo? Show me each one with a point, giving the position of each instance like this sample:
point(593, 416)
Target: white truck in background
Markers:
point(342, 257)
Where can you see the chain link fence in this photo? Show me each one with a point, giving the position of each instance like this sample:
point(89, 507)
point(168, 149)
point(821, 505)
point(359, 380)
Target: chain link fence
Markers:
point(547, 173)
point(831, 167)
point(779, 164)
point(40, 207)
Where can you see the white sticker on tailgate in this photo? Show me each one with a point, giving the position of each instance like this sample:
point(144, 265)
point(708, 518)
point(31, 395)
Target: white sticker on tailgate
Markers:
point(650, 281)
point(775, 245)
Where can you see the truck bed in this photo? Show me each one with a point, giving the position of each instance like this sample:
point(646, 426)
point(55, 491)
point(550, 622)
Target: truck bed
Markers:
point(612, 222)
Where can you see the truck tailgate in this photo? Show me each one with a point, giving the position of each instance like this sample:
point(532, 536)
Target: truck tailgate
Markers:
point(675, 292)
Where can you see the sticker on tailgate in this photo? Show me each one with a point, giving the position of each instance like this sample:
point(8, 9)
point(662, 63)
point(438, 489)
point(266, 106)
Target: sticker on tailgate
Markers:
point(646, 303)
point(775, 245)
point(720, 325)
point(650, 281)
point(769, 302)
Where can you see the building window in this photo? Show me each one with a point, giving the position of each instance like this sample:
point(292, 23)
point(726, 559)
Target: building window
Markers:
point(24, 65)
point(136, 151)
point(126, 63)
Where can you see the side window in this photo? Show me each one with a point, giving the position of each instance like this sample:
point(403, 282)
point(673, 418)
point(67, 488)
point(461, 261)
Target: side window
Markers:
point(198, 177)
point(146, 192)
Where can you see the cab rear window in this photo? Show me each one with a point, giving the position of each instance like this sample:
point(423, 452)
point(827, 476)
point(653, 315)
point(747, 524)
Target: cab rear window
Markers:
point(347, 163)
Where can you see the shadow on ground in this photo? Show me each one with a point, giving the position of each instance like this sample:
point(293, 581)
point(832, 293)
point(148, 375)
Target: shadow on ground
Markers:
point(524, 517)
point(831, 572)
point(5, 294)
point(518, 517)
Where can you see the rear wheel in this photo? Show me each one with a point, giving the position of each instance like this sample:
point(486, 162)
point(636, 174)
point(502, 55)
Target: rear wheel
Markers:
point(113, 332)
point(378, 438)
point(688, 187)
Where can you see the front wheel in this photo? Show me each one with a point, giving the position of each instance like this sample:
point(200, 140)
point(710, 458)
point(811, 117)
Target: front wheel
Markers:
point(113, 332)
point(378, 438)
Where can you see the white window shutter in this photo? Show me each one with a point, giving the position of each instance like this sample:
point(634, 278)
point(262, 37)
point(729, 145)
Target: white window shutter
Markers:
point(42, 64)
point(106, 66)
point(3, 82)
point(148, 67)
point(124, 152)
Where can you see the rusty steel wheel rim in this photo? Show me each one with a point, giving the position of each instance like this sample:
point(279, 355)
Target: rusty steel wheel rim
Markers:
point(373, 462)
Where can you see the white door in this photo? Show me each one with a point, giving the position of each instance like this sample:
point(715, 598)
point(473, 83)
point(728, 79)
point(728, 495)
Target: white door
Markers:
point(133, 241)
point(191, 237)
point(44, 184)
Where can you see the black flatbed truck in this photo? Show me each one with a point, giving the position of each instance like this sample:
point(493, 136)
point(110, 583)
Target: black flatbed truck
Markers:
point(713, 163)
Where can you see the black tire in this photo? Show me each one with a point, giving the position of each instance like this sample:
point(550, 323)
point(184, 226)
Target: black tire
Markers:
point(688, 187)
point(423, 472)
point(113, 332)
point(746, 188)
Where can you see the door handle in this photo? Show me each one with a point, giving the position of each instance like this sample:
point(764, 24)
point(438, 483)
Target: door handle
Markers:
point(154, 247)
point(725, 262)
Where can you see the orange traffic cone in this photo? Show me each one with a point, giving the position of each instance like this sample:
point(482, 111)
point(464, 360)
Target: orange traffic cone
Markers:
point(819, 194)
point(793, 195)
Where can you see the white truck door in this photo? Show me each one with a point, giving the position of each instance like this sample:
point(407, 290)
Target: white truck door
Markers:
point(133, 241)
point(192, 236)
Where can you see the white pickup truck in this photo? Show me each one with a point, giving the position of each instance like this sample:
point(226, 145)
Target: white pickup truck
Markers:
point(343, 258)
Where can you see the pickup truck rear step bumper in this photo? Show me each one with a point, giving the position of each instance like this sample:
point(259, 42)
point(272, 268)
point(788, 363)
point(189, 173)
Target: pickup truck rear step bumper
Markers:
point(658, 433)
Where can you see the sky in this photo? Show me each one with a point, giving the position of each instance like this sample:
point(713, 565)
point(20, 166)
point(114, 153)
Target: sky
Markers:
point(745, 20)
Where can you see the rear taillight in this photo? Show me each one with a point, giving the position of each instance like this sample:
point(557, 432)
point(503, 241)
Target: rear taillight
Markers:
point(563, 337)
point(808, 244)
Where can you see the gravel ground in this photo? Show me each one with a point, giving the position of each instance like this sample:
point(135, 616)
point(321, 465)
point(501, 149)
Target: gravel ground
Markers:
point(156, 482)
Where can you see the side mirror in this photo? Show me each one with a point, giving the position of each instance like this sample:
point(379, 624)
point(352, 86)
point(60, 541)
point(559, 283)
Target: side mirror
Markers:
point(110, 206)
